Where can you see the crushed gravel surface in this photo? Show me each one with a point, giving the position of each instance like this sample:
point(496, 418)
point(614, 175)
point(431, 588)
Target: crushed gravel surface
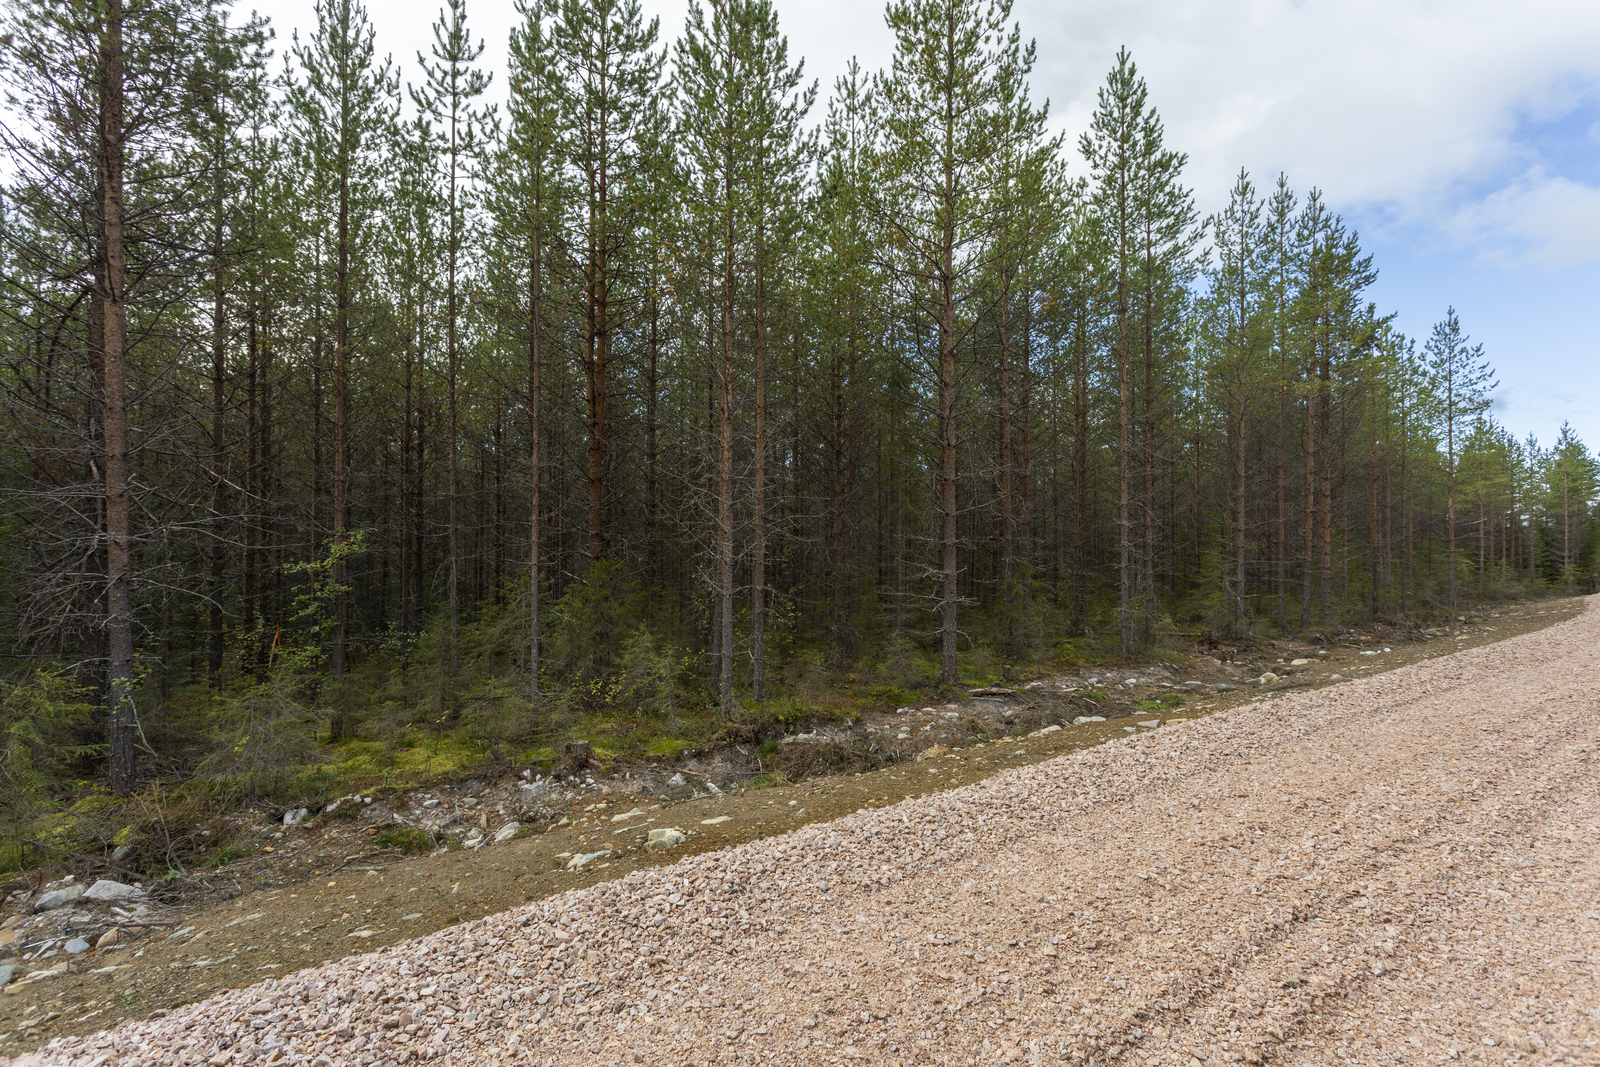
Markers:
point(1398, 869)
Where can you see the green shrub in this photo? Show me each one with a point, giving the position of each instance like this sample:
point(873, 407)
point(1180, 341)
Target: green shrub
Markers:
point(227, 854)
point(407, 839)
point(40, 723)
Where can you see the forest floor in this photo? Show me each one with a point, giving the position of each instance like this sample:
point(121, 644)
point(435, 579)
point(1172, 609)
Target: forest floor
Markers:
point(325, 891)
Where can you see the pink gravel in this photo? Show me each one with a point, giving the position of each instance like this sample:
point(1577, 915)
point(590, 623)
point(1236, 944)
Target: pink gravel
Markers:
point(1400, 869)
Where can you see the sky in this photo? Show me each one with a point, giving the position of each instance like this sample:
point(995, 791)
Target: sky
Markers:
point(1460, 138)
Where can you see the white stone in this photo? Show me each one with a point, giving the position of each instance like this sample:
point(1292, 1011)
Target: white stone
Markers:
point(664, 837)
point(1151, 723)
point(1299, 662)
point(506, 832)
point(106, 889)
point(295, 815)
point(716, 820)
point(588, 857)
point(58, 897)
point(1081, 719)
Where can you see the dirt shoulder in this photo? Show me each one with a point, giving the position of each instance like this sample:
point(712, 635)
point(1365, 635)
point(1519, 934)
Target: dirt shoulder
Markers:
point(335, 899)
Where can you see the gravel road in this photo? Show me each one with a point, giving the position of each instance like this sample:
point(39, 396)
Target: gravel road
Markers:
point(1398, 869)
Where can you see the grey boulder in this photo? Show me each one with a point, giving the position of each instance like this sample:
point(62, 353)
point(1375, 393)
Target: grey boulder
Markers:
point(57, 898)
point(106, 889)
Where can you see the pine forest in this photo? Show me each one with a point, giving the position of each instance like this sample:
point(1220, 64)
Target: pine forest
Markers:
point(678, 397)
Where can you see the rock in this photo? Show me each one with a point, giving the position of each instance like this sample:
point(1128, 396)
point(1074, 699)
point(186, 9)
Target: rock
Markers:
point(992, 691)
point(295, 815)
point(121, 852)
point(1052, 728)
point(588, 857)
point(113, 936)
point(430, 803)
point(7, 939)
point(716, 820)
point(39, 976)
point(1267, 678)
point(625, 816)
point(106, 889)
point(77, 946)
point(1081, 719)
point(1299, 662)
point(473, 840)
point(664, 837)
point(8, 972)
point(506, 832)
point(58, 897)
point(1335, 677)
point(409, 918)
point(931, 753)
point(1151, 723)
point(676, 779)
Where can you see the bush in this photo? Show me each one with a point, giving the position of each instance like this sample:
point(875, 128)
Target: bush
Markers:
point(587, 629)
point(265, 738)
point(40, 723)
point(407, 839)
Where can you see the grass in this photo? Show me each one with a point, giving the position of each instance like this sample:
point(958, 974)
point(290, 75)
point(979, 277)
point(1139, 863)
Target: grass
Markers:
point(227, 854)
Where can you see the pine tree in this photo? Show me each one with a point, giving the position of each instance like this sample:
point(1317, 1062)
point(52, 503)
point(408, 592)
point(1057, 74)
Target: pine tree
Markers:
point(340, 116)
point(1238, 293)
point(1461, 380)
point(452, 84)
point(526, 205)
point(779, 155)
point(608, 74)
point(943, 110)
point(103, 93)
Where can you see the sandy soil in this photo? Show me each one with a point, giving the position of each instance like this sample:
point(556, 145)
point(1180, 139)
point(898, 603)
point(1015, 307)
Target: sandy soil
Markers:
point(1400, 868)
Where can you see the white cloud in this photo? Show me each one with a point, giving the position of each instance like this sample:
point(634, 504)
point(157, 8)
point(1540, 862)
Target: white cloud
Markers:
point(1538, 220)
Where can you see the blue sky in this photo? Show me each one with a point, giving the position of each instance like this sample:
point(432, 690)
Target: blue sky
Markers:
point(1460, 137)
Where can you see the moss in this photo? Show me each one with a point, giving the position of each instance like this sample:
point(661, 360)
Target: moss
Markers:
point(354, 764)
point(667, 747)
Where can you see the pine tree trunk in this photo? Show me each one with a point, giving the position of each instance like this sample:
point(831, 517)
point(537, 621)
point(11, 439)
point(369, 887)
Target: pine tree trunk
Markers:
point(652, 548)
point(758, 504)
point(1310, 511)
point(1080, 473)
point(535, 395)
point(724, 378)
point(1325, 487)
point(341, 449)
point(219, 323)
point(114, 405)
point(949, 590)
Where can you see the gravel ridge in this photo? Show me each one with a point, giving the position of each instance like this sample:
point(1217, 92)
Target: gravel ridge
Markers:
point(1401, 868)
